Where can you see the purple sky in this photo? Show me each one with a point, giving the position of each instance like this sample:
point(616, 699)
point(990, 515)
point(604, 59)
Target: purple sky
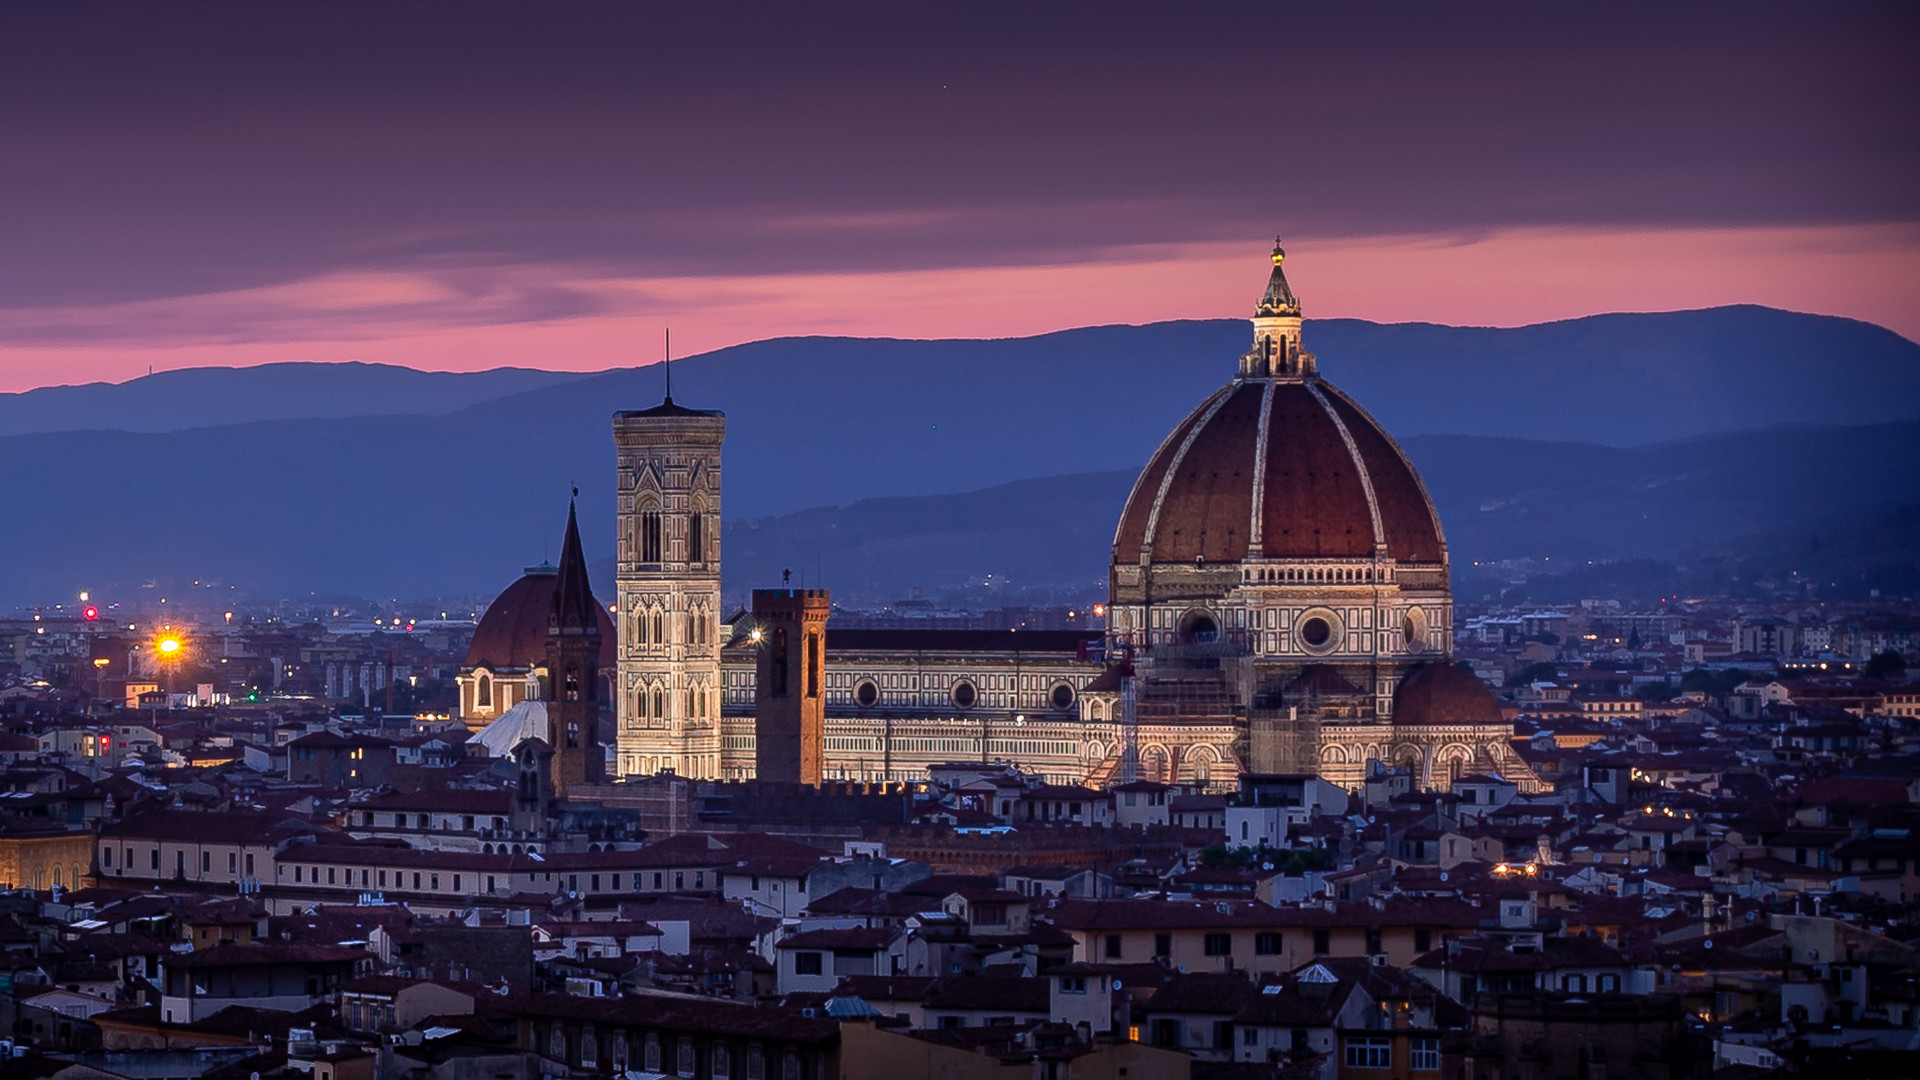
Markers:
point(465, 185)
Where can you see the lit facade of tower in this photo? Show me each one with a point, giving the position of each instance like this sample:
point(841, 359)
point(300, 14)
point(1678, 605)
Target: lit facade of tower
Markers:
point(668, 618)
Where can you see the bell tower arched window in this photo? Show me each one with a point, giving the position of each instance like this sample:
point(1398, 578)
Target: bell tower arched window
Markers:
point(697, 536)
point(650, 535)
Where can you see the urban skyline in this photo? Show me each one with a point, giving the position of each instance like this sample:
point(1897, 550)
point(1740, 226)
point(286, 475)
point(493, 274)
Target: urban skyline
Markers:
point(1041, 624)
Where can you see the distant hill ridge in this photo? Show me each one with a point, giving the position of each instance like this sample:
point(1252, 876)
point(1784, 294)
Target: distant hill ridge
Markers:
point(452, 502)
point(208, 397)
point(1641, 377)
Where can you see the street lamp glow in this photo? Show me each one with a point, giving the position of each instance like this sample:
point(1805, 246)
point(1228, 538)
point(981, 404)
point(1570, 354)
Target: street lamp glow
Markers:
point(169, 645)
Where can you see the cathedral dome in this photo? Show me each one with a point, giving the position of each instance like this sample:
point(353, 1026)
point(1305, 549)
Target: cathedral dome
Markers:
point(513, 632)
point(1439, 693)
point(1278, 464)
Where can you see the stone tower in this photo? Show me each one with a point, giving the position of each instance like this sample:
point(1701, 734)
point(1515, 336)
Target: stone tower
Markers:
point(573, 672)
point(790, 703)
point(669, 688)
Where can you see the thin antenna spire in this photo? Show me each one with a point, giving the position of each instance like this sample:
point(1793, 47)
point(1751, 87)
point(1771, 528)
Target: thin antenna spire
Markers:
point(669, 365)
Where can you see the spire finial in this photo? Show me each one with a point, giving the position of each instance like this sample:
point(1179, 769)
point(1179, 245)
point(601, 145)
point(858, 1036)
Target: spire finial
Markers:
point(1276, 352)
point(1278, 299)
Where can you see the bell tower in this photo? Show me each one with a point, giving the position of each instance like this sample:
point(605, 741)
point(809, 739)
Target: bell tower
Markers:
point(668, 688)
point(573, 672)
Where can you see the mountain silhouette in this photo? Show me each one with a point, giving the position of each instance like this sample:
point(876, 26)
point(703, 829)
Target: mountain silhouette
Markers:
point(457, 494)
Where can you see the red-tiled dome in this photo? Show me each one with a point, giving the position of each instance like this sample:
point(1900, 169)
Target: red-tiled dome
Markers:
point(1327, 483)
point(1439, 693)
point(513, 632)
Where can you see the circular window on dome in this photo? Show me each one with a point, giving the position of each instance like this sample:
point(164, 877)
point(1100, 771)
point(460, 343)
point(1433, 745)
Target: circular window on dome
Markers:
point(1199, 628)
point(1414, 628)
point(1319, 631)
point(866, 694)
point(964, 695)
point(1061, 697)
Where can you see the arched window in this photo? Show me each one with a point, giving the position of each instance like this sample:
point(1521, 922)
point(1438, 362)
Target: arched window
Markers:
point(650, 535)
point(483, 692)
point(659, 636)
point(813, 665)
point(697, 536)
point(780, 661)
point(659, 704)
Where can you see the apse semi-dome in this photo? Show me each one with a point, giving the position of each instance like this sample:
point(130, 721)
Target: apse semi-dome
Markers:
point(1440, 693)
point(513, 632)
point(1278, 464)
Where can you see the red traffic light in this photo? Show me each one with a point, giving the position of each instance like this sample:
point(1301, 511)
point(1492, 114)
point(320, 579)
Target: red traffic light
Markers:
point(90, 613)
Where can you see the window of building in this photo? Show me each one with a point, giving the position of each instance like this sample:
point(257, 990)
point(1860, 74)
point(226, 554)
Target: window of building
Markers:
point(1218, 944)
point(720, 1062)
point(650, 536)
point(1374, 946)
point(1163, 944)
point(813, 665)
point(806, 963)
point(1422, 939)
point(1113, 946)
point(1266, 944)
point(1322, 942)
point(1425, 1055)
point(1369, 1052)
point(1073, 984)
point(697, 537)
